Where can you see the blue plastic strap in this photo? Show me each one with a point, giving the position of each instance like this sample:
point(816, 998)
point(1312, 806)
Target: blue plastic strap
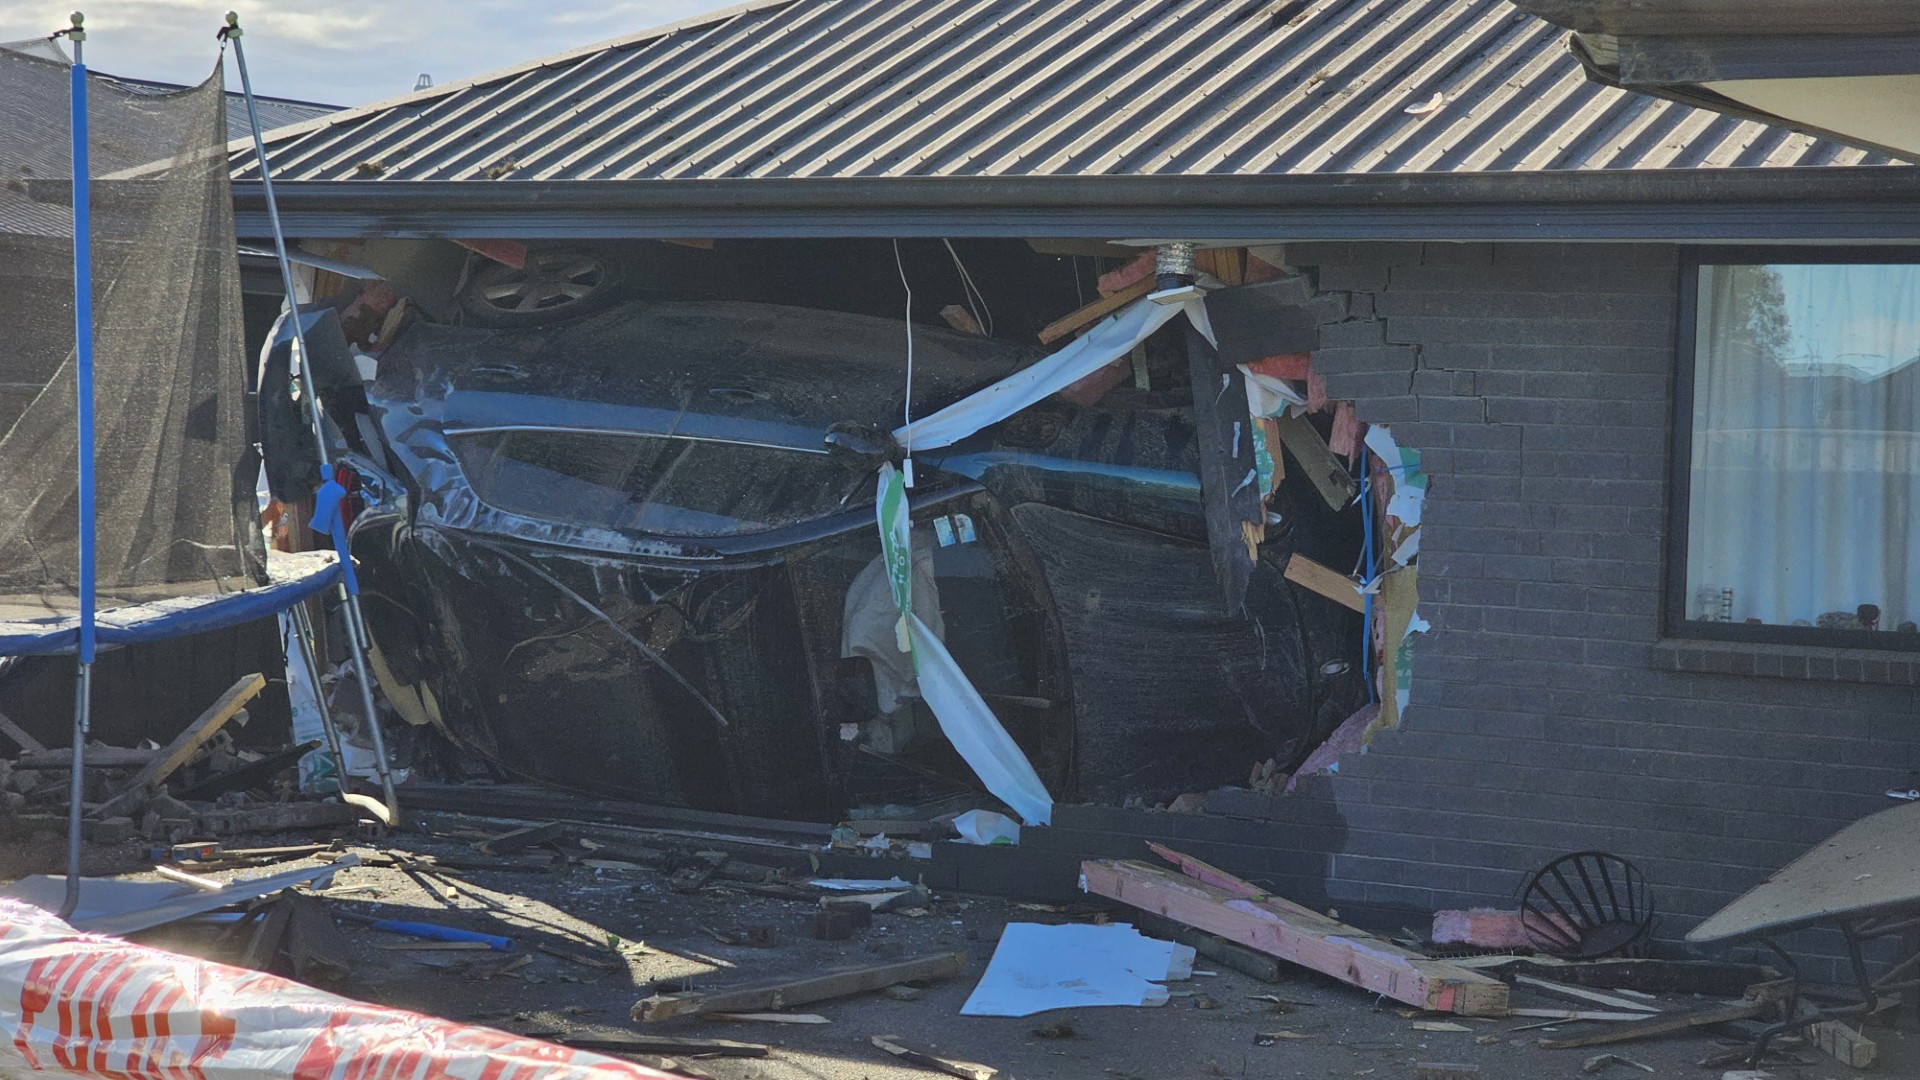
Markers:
point(328, 504)
point(83, 354)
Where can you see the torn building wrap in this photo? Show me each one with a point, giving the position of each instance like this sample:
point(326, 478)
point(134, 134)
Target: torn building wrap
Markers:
point(84, 1005)
point(964, 717)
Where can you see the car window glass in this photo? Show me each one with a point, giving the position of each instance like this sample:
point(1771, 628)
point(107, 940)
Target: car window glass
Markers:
point(655, 484)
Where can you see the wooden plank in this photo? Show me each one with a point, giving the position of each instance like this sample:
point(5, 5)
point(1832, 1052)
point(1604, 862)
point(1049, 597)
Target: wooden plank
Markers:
point(1575, 1014)
point(1594, 996)
point(1329, 476)
point(961, 318)
point(1326, 581)
point(665, 1044)
point(1661, 1025)
point(927, 1059)
point(1208, 874)
point(188, 742)
point(20, 737)
point(1301, 937)
point(281, 817)
point(837, 983)
point(1095, 311)
point(509, 842)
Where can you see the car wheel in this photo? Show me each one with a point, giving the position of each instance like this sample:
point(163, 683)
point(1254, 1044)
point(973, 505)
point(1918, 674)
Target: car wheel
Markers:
point(555, 283)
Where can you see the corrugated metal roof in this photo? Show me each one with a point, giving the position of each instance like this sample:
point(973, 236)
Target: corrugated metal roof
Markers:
point(838, 88)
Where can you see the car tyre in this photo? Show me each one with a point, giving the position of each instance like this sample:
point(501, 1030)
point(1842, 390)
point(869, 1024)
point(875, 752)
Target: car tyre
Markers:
point(555, 283)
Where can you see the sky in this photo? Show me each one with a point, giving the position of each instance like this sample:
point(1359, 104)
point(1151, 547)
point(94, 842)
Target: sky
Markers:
point(341, 52)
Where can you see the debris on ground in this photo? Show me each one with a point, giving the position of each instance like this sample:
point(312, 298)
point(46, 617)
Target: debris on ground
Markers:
point(1037, 968)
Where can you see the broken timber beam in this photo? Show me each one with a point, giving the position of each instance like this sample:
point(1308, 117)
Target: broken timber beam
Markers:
point(836, 983)
point(184, 745)
point(1095, 311)
point(1300, 936)
point(1328, 582)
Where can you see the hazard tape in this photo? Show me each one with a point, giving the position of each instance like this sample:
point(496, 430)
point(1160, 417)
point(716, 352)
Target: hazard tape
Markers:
point(85, 1005)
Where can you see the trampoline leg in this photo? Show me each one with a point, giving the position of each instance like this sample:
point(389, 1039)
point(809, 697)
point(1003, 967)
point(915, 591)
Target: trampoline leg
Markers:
point(303, 635)
point(82, 720)
point(357, 642)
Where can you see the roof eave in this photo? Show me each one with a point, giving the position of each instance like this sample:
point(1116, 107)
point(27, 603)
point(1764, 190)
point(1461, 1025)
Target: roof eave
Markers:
point(1866, 204)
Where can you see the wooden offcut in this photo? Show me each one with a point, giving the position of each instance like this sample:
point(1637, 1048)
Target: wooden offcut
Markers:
point(837, 983)
point(1664, 1024)
point(1094, 312)
point(1241, 912)
point(925, 1057)
point(1326, 581)
point(188, 743)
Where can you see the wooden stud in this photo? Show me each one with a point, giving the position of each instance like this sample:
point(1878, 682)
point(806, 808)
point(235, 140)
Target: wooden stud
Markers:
point(1328, 582)
point(1094, 312)
point(186, 744)
point(837, 983)
point(1300, 936)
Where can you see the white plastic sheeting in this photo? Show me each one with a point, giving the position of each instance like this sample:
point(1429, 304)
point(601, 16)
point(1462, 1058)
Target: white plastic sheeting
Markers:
point(1109, 340)
point(1036, 968)
point(965, 718)
point(81, 1005)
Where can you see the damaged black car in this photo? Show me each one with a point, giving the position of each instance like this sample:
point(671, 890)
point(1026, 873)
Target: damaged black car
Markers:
point(617, 554)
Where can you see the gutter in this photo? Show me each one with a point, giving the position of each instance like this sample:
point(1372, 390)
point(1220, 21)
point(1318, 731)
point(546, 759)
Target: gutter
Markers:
point(1813, 203)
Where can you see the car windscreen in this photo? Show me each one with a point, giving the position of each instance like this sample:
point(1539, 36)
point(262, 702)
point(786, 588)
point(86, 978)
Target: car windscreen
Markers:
point(655, 484)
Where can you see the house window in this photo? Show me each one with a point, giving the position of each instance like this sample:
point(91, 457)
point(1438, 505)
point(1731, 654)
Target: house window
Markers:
point(1798, 464)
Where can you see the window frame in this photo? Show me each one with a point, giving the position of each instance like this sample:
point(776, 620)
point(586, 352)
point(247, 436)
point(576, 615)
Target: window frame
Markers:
point(1674, 620)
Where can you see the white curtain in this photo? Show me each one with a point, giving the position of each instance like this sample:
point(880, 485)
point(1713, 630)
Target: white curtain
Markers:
point(1806, 445)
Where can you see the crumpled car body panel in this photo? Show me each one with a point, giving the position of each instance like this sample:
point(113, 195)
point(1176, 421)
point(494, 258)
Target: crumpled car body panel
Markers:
point(681, 620)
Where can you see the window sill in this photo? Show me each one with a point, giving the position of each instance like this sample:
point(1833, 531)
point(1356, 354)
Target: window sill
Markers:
point(1803, 662)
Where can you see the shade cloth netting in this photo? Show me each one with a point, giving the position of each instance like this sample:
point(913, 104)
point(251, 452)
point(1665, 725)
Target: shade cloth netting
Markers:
point(174, 466)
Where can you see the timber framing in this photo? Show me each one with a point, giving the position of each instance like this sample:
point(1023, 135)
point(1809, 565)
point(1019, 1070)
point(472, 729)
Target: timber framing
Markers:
point(1240, 912)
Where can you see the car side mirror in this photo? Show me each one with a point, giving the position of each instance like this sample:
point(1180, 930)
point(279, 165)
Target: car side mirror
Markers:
point(861, 448)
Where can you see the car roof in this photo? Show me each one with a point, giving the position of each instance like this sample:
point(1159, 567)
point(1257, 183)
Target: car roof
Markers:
point(759, 364)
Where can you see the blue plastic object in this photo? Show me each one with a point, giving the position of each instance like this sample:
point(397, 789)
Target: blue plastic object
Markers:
point(433, 932)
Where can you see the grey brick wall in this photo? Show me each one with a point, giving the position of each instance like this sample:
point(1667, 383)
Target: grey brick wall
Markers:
point(1536, 380)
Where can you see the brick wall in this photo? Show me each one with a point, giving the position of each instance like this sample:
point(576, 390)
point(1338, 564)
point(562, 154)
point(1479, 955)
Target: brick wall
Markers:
point(1536, 380)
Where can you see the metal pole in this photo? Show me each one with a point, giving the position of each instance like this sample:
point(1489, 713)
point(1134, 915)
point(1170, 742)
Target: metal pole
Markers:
point(83, 405)
point(356, 625)
point(303, 640)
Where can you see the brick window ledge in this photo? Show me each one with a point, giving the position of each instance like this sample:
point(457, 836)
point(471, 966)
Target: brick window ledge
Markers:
point(1770, 661)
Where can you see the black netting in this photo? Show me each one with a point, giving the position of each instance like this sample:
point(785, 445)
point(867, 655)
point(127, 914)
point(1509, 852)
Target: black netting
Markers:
point(173, 467)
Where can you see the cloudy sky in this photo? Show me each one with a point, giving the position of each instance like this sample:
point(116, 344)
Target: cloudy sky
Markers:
point(345, 52)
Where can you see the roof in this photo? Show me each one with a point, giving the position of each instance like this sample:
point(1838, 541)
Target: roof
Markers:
point(796, 89)
point(274, 112)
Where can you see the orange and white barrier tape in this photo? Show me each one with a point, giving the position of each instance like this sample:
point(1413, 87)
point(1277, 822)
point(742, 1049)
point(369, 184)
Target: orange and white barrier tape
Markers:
point(84, 1005)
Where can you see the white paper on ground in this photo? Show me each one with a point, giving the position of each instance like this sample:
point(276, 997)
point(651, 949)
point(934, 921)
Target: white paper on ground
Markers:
point(986, 827)
point(1036, 968)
